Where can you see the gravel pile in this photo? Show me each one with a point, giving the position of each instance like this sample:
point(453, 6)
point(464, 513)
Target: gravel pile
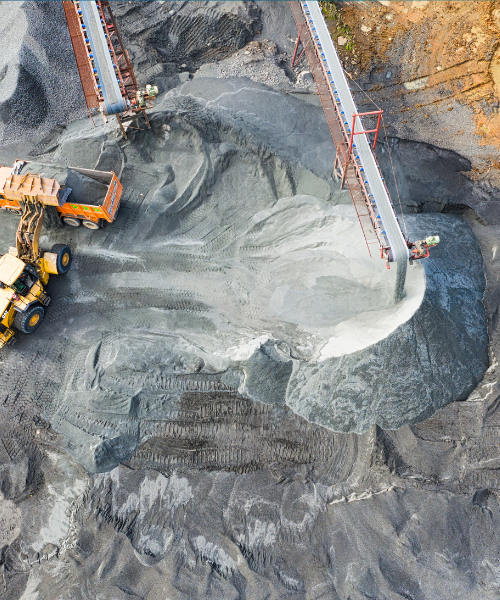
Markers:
point(39, 82)
point(261, 61)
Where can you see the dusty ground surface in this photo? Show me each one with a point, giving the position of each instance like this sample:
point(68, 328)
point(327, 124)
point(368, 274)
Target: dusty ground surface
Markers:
point(222, 490)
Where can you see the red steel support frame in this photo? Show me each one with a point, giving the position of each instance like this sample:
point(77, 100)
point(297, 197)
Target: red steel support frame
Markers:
point(295, 51)
point(296, 62)
point(351, 171)
point(125, 71)
point(376, 130)
point(81, 56)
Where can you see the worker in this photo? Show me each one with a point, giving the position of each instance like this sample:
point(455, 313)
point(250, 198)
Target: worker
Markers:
point(420, 248)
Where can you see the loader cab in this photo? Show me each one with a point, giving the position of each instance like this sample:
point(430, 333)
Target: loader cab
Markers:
point(23, 284)
point(14, 273)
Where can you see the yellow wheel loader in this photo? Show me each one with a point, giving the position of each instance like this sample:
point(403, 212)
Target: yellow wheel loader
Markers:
point(25, 270)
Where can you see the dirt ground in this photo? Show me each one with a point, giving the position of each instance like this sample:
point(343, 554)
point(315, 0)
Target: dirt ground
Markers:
point(434, 68)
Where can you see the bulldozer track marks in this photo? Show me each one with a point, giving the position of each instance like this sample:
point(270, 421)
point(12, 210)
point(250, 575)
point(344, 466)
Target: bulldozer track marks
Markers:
point(118, 300)
point(227, 432)
point(12, 446)
point(90, 424)
point(86, 263)
point(209, 426)
point(185, 383)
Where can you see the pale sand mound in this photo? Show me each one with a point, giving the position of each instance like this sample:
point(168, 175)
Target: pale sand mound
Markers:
point(314, 272)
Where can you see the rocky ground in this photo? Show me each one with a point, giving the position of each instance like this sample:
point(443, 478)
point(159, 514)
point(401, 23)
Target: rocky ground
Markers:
point(164, 434)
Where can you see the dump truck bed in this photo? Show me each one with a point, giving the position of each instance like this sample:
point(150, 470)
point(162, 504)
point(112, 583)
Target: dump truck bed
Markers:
point(94, 194)
point(100, 194)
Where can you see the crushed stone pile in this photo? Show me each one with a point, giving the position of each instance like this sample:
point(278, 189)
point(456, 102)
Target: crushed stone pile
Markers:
point(39, 83)
point(221, 274)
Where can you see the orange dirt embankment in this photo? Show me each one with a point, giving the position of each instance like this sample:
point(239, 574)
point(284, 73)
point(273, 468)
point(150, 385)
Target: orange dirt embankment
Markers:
point(434, 67)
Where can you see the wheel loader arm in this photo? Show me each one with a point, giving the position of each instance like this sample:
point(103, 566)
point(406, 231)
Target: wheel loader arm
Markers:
point(33, 192)
point(29, 229)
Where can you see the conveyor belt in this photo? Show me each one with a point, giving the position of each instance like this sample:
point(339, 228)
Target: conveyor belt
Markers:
point(376, 198)
point(106, 73)
point(113, 100)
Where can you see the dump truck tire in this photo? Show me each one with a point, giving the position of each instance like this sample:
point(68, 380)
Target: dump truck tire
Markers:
point(15, 211)
point(64, 258)
point(29, 320)
point(72, 222)
point(91, 225)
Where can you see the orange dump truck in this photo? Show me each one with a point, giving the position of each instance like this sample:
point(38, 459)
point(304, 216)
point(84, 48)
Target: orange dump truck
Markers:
point(82, 196)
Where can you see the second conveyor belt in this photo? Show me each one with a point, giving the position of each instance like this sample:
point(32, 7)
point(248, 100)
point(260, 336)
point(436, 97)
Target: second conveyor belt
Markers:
point(392, 230)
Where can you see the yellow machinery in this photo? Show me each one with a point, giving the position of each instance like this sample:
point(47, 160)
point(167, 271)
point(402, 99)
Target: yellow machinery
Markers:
point(25, 269)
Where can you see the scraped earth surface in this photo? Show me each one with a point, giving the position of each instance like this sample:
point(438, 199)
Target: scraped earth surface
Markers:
point(220, 402)
point(434, 69)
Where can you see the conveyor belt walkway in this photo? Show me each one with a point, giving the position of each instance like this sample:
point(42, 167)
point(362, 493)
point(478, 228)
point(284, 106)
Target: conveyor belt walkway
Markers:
point(355, 158)
point(105, 69)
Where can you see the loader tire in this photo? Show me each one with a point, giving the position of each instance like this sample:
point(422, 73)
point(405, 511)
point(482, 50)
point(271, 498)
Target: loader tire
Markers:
point(63, 261)
point(30, 320)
